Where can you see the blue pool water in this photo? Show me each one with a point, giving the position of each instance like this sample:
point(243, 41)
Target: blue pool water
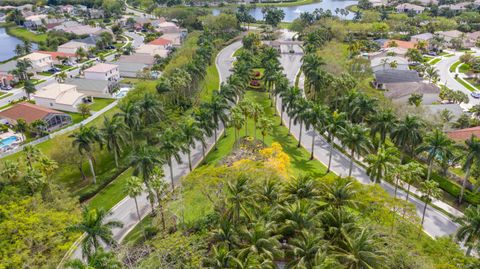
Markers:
point(8, 141)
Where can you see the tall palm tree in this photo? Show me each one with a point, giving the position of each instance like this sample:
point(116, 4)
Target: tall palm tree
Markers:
point(316, 117)
point(407, 134)
point(472, 155)
point(412, 174)
point(355, 137)
point(289, 97)
point(430, 190)
point(143, 160)
point(114, 133)
point(237, 120)
point(204, 121)
point(334, 124)
point(437, 146)
point(256, 111)
point(382, 123)
point(360, 249)
point(21, 127)
point(191, 132)
point(246, 107)
point(85, 139)
point(469, 231)
point(300, 113)
point(218, 107)
point(382, 163)
point(265, 125)
point(32, 154)
point(150, 109)
point(99, 259)
point(134, 188)
point(96, 229)
point(29, 88)
point(170, 145)
point(130, 114)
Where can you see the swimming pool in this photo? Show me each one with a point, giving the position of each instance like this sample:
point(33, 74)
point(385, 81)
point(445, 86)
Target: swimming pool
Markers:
point(121, 93)
point(8, 141)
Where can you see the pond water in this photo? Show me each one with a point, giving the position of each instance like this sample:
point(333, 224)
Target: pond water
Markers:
point(8, 44)
point(293, 12)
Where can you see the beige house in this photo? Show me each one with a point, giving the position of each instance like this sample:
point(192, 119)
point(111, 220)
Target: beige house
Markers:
point(58, 96)
point(103, 71)
point(407, 7)
point(152, 50)
point(40, 62)
point(72, 47)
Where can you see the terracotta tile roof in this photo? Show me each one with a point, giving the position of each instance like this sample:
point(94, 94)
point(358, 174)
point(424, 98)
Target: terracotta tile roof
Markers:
point(464, 134)
point(27, 111)
point(56, 54)
point(400, 44)
point(160, 41)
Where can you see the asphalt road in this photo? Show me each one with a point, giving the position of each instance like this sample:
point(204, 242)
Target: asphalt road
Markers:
point(436, 223)
point(125, 210)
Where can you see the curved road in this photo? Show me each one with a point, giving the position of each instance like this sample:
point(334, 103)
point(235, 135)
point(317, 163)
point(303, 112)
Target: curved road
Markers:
point(436, 223)
point(125, 210)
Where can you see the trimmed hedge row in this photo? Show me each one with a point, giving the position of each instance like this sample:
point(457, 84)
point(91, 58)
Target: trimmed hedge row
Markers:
point(454, 189)
point(93, 189)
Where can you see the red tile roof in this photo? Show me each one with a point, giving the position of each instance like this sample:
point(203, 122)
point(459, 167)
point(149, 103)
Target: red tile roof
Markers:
point(27, 111)
point(160, 41)
point(464, 134)
point(56, 54)
point(400, 44)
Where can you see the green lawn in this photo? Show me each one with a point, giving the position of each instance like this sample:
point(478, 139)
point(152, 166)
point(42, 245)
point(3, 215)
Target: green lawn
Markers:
point(466, 85)
point(112, 193)
point(209, 84)
point(25, 34)
point(99, 103)
point(76, 117)
point(136, 234)
point(46, 74)
point(453, 67)
point(464, 68)
point(5, 95)
point(299, 157)
point(434, 61)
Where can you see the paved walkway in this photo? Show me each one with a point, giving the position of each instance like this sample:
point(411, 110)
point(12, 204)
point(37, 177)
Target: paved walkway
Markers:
point(436, 223)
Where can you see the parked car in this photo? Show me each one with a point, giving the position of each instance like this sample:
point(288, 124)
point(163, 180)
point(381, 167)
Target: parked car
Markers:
point(7, 87)
point(475, 94)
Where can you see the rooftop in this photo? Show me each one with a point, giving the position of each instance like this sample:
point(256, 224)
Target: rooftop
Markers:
point(101, 68)
point(403, 89)
point(160, 41)
point(35, 56)
point(137, 58)
point(56, 54)
point(424, 36)
point(464, 134)
point(27, 111)
point(399, 44)
point(87, 84)
point(62, 93)
point(396, 76)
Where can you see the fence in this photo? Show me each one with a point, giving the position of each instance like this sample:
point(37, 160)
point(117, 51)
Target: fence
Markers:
point(61, 131)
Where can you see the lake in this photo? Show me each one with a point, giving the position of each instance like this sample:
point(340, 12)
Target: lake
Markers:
point(293, 12)
point(8, 44)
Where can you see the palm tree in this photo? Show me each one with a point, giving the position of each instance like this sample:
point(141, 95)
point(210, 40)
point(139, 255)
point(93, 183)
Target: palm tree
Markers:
point(355, 137)
point(134, 188)
point(360, 249)
point(431, 73)
point(469, 231)
point(150, 109)
point(300, 113)
point(260, 240)
point(302, 187)
point(256, 111)
point(10, 171)
point(334, 124)
point(130, 114)
point(237, 121)
point(305, 249)
point(218, 108)
point(407, 134)
point(170, 146)
point(265, 125)
point(289, 98)
point(32, 154)
point(316, 117)
point(472, 155)
point(160, 188)
point(96, 229)
point(99, 259)
point(341, 193)
point(21, 127)
point(114, 132)
point(430, 190)
point(382, 123)
point(204, 121)
point(60, 77)
point(191, 132)
point(84, 139)
point(144, 160)
point(29, 88)
point(295, 217)
point(382, 163)
point(245, 106)
point(437, 146)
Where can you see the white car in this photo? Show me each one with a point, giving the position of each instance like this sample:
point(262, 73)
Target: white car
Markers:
point(475, 94)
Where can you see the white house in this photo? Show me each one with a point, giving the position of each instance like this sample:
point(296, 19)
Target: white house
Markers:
point(407, 7)
point(35, 21)
point(102, 71)
point(72, 47)
point(389, 63)
point(60, 96)
point(40, 62)
point(94, 88)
